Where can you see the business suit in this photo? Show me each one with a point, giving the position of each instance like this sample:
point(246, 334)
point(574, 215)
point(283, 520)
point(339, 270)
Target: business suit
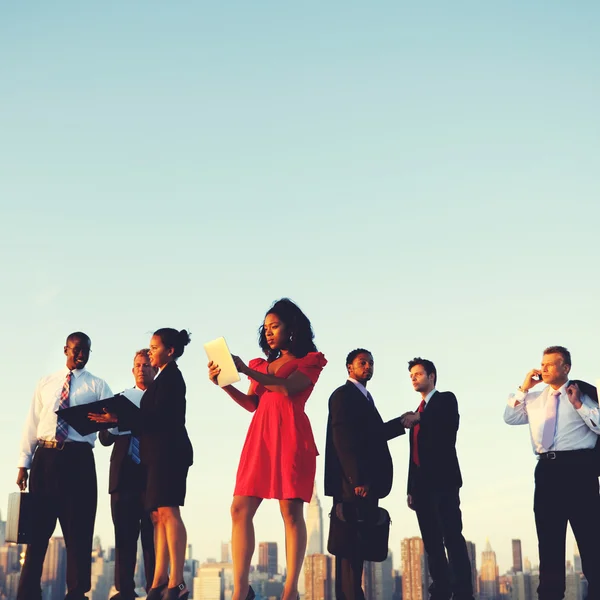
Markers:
point(165, 448)
point(434, 487)
point(126, 486)
point(356, 454)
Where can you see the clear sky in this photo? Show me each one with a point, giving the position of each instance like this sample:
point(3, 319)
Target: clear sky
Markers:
point(422, 178)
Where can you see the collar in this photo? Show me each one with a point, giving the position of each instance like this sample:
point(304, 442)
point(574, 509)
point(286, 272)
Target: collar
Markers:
point(360, 386)
point(562, 389)
point(76, 372)
point(428, 397)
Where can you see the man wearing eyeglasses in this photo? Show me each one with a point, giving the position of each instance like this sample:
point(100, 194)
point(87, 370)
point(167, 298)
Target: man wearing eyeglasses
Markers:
point(63, 472)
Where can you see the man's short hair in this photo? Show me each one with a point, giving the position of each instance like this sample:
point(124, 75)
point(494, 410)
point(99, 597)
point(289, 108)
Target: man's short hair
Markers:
point(426, 364)
point(78, 335)
point(145, 352)
point(566, 355)
point(352, 355)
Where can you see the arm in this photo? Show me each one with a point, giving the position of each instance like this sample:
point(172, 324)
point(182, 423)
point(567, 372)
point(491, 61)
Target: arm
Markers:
point(348, 439)
point(248, 401)
point(393, 428)
point(29, 438)
point(586, 408)
point(515, 412)
point(296, 383)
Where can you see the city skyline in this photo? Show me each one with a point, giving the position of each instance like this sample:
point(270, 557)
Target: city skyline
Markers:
point(394, 168)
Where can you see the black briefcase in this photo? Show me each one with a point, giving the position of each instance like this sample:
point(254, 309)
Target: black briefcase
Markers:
point(19, 518)
point(358, 532)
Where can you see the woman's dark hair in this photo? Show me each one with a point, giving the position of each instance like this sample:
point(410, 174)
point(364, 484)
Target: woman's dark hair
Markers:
point(298, 328)
point(171, 338)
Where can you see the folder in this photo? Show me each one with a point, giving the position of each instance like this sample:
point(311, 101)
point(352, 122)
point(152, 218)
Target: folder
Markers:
point(77, 416)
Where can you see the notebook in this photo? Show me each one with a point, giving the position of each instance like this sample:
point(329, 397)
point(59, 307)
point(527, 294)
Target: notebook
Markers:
point(218, 352)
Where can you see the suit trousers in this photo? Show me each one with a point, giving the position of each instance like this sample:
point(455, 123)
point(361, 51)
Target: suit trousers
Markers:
point(440, 521)
point(130, 519)
point(348, 571)
point(566, 490)
point(63, 486)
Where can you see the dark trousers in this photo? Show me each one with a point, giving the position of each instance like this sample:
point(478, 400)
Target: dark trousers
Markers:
point(348, 571)
point(63, 486)
point(130, 518)
point(440, 521)
point(566, 490)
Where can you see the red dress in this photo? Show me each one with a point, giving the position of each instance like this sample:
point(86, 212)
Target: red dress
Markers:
point(279, 457)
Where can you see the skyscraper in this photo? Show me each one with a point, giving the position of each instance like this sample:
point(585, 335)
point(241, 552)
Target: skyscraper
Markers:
point(314, 524)
point(577, 560)
point(517, 556)
point(488, 574)
point(472, 552)
point(225, 556)
point(209, 582)
point(412, 578)
point(54, 571)
point(267, 558)
point(378, 579)
point(318, 576)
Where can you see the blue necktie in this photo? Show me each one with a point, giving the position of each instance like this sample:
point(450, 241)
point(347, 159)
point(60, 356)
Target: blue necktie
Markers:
point(134, 450)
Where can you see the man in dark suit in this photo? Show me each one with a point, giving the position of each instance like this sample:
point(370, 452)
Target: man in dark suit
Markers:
point(434, 481)
point(126, 486)
point(358, 464)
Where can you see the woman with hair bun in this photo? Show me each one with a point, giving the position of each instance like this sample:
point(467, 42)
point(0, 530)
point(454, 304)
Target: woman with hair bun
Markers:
point(279, 455)
point(166, 452)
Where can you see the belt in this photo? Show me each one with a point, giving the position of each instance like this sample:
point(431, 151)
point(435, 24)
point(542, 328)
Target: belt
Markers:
point(564, 454)
point(53, 444)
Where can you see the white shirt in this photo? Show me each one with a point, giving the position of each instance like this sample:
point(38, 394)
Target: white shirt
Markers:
point(428, 397)
point(362, 388)
point(41, 420)
point(135, 395)
point(576, 429)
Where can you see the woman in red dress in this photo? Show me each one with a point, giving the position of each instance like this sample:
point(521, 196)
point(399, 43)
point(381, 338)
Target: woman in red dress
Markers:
point(279, 456)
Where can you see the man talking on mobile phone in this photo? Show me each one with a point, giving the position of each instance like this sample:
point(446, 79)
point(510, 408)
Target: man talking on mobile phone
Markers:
point(563, 423)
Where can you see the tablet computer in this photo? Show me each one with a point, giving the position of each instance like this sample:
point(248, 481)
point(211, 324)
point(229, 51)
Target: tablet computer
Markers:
point(218, 352)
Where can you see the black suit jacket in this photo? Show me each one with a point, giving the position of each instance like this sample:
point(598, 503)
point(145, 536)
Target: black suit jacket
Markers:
point(437, 446)
point(160, 422)
point(356, 451)
point(124, 474)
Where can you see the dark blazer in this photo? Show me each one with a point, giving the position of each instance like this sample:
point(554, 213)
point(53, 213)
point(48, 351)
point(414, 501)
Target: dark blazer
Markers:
point(437, 446)
point(124, 473)
point(356, 451)
point(160, 422)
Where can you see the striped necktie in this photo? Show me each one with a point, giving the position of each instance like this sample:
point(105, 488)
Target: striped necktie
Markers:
point(134, 450)
point(62, 428)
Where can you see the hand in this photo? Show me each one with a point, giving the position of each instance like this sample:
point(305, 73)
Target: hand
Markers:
point(410, 502)
point(239, 364)
point(213, 372)
point(361, 490)
point(410, 419)
point(22, 478)
point(574, 394)
point(104, 417)
point(530, 381)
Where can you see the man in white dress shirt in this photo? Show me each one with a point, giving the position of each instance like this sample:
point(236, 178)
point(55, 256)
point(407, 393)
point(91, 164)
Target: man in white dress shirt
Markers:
point(63, 472)
point(564, 428)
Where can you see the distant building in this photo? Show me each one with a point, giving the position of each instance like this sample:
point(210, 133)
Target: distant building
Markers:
point(314, 525)
point(319, 577)
point(267, 558)
point(54, 571)
point(225, 554)
point(412, 555)
point(577, 560)
point(521, 587)
point(517, 556)
point(574, 588)
point(209, 583)
point(489, 588)
point(378, 580)
point(397, 595)
point(472, 553)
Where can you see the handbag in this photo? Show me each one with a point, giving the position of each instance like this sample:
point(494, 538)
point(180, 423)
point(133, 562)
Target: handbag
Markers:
point(19, 518)
point(358, 531)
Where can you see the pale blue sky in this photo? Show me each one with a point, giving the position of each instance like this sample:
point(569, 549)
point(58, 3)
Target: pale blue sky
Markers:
point(421, 179)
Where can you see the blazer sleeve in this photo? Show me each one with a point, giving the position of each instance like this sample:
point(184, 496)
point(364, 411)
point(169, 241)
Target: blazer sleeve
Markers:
point(393, 428)
point(348, 434)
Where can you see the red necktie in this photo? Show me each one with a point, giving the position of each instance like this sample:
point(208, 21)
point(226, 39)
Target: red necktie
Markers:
point(415, 433)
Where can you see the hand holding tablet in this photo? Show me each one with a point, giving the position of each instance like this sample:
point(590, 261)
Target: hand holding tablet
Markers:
point(218, 353)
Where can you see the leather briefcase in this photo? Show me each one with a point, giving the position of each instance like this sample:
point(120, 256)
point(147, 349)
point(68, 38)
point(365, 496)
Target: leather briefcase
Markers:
point(19, 518)
point(357, 532)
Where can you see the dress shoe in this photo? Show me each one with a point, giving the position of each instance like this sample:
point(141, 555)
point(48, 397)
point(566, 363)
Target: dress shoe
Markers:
point(251, 595)
point(178, 593)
